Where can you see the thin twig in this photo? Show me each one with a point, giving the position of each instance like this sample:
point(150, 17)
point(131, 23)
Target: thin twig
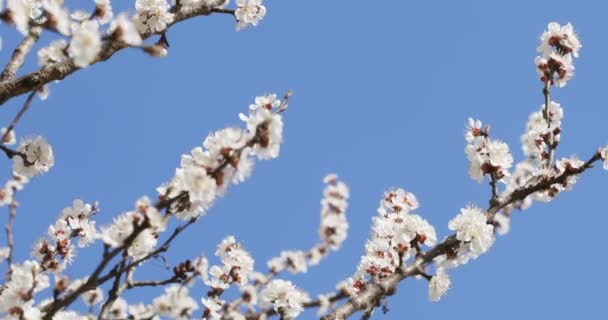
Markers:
point(20, 114)
point(10, 153)
point(550, 138)
point(12, 213)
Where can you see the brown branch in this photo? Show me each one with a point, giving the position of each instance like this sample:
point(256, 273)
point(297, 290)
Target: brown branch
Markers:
point(59, 71)
point(134, 284)
point(20, 114)
point(95, 279)
point(12, 213)
point(550, 136)
point(18, 58)
point(10, 153)
point(388, 286)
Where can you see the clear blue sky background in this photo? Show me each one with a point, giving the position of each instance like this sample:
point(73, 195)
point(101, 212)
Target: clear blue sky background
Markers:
point(382, 93)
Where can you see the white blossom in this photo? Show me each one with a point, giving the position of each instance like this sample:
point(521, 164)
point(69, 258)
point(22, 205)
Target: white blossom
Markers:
point(284, 297)
point(118, 309)
point(54, 53)
point(152, 16)
point(473, 230)
point(123, 29)
point(57, 18)
point(175, 303)
point(85, 43)
point(561, 37)
point(268, 126)
point(237, 265)
point(8, 139)
point(604, 155)
point(439, 285)
point(21, 11)
point(141, 311)
point(213, 306)
point(92, 297)
point(249, 12)
point(104, 11)
point(38, 157)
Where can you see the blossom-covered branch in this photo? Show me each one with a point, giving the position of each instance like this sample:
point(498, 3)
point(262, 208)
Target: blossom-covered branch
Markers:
point(153, 17)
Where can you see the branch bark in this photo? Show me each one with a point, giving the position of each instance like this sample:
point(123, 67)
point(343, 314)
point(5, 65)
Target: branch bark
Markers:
point(18, 58)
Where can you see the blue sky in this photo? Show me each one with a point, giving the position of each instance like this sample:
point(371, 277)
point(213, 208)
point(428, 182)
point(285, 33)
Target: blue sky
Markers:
point(381, 96)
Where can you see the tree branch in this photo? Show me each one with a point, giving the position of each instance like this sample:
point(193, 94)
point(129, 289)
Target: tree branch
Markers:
point(18, 58)
point(388, 286)
point(20, 114)
point(59, 71)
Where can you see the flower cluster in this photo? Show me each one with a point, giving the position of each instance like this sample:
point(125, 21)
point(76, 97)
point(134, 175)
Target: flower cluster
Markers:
point(14, 184)
point(175, 303)
point(237, 265)
point(439, 285)
point(397, 234)
point(56, 250)
point(334, 226)
point(487, 156)
point(249, 13)
point(86, 42)
point(17, 295)
point(35, 157)
point(332, 230)
point(145, 217)
point(284, 297)
point(542, 131)
point(122, 29)
point(226, 157)
point(558, 45)
point(152, 16)
point(476, 236)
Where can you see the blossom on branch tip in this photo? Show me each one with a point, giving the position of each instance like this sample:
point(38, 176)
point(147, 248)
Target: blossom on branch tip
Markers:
point(103, 11)
point(604, 155)
point(86, 42)
point(10, 137)
point(56, 18)
point(249, 12)
point(268, 127)
point(439, 285)
point(284, 297)
point(37, 157)
point(562, 38)
point(558, 45)
point(486, 156)
point(20, 13)
point(152, 16)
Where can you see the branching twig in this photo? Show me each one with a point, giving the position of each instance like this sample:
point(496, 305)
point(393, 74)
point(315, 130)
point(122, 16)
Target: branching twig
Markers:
point(389, 285)
point(59, 71)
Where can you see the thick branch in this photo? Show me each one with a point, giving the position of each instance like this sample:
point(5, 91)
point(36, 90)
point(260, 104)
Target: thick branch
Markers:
point(59, 71)
point(19, 54)
point(388, 286)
